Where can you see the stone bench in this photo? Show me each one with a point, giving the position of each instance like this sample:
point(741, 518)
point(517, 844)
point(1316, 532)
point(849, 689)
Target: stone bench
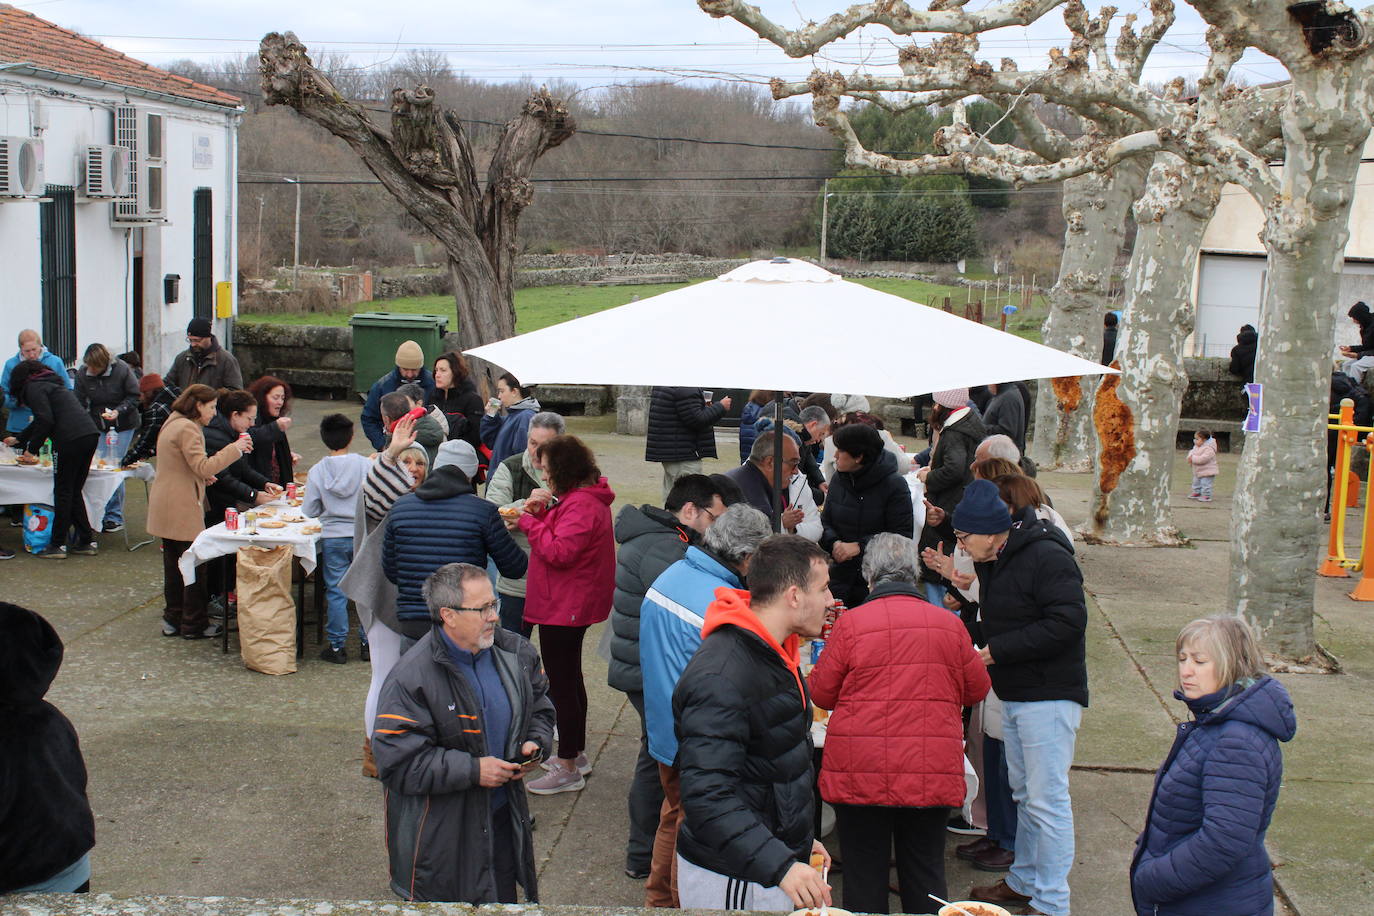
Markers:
point(325, 384)
point(1224, 431)
point(574, 400)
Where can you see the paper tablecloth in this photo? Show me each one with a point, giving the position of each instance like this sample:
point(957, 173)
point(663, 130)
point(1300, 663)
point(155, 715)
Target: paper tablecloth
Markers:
point(20, 484)
point(219, 541)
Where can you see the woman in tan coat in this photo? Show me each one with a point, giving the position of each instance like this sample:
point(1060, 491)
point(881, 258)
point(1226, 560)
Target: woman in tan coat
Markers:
point(176, 505)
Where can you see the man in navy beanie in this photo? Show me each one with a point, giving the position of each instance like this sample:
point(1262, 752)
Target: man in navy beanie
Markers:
point(1030, 624)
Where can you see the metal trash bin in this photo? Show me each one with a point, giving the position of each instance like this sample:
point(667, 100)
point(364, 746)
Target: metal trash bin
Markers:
point(376, 335)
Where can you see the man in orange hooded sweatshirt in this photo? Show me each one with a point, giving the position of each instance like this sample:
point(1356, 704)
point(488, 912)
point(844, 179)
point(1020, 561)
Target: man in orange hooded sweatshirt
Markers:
point(743, 721)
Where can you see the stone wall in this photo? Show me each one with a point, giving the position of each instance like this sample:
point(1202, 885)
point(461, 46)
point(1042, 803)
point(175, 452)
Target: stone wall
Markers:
point(317, 362)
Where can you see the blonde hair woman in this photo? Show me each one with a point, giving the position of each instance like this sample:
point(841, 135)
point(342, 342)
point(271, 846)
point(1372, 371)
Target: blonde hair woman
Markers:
point(1202, 850)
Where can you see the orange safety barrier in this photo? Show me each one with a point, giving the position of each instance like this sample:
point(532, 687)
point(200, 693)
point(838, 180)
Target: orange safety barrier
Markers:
point(1345, 489)
point(1364, 589)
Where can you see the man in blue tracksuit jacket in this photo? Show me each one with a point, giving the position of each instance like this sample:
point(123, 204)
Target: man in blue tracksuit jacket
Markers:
point(670, 622)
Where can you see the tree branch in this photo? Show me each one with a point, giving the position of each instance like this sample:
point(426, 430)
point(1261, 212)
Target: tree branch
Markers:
point(895, 14)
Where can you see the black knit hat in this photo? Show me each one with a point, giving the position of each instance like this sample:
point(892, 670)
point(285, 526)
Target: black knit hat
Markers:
point(199, 327)
point(982, 511)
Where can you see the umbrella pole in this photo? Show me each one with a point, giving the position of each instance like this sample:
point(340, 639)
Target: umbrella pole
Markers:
point(777, 464)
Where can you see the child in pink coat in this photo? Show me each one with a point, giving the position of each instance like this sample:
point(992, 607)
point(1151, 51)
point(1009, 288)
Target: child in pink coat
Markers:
point(1203, 457)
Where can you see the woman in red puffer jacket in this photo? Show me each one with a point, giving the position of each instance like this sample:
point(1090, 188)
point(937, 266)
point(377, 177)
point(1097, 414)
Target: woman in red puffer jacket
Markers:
point(897, 672)
point(569, 587)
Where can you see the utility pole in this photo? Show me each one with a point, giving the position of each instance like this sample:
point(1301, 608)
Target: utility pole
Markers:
point(296, 255)
point(825, 216)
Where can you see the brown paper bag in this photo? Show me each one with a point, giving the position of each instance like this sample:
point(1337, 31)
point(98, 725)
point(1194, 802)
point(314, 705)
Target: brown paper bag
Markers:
point(267, 612)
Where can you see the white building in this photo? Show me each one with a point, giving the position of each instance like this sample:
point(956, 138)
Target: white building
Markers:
point(1231, 267)
point(117, 196)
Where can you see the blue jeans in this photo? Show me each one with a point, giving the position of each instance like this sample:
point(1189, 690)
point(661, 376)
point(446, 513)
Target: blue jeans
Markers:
point(1039, 740)
point(1001, 808)
point(935, 593)
point(114, 509)
point(336, 555)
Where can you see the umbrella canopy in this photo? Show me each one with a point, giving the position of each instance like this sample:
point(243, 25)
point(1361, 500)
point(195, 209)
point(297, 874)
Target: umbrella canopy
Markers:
point(784, 325)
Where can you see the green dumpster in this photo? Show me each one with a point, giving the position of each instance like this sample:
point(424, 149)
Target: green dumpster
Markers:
point(376, 335)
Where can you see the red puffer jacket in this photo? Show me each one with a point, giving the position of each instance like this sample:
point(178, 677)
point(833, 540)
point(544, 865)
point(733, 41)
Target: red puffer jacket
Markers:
point(571, 578)
point(897, 672)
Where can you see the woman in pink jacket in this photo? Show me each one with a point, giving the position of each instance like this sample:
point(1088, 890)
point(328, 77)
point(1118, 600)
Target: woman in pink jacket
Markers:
point(569, 587)
point(1203, 458)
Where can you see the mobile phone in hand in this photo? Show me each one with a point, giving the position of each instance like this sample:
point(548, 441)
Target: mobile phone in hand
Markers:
point(530, 762)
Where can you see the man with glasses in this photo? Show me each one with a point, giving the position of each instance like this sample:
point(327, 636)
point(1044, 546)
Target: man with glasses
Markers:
point(755, 480)
point(204, 361)
point(1029, 625)
point(461, 719)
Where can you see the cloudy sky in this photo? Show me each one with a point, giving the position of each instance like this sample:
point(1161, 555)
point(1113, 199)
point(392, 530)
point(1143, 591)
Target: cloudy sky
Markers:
point(614, 41)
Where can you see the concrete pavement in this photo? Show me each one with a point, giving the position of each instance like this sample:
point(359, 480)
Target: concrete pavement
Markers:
point(208, 779)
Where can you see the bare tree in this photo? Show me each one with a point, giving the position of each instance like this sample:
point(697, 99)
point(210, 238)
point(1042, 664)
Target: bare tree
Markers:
point(426, 162)
point(1324, 115)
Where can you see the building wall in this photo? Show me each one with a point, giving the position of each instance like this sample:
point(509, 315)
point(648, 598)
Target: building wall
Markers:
point(68, 118)
point(1231, 268)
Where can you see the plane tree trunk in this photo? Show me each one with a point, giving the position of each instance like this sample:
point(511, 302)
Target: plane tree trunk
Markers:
point(1136, 413)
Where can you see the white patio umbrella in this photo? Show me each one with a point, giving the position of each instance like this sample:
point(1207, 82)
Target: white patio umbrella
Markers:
point(782, 325)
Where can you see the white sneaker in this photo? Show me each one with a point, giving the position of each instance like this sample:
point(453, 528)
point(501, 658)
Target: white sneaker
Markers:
point(584, 765)
point(557, 780)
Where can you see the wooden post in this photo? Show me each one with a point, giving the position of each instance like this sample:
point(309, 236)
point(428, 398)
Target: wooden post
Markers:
point(948, 306)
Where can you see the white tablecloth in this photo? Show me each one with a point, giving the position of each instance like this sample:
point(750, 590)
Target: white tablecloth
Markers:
point(219, 541)
point(21, 484)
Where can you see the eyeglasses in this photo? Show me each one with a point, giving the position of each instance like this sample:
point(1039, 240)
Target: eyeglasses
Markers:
point(709, 514)
point(191, 340)
point(486, 610)
point(962, 539)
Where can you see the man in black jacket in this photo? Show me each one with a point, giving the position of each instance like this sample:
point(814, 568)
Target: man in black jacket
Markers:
point(681, 431)
point(461, 719)
point(651, 539)
point(204, 361)
point(1360, 358)
point(1030, 622)
point(743, 724)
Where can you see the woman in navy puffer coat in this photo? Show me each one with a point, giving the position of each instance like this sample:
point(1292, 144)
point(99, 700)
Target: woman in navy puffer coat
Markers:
point(1202, 851)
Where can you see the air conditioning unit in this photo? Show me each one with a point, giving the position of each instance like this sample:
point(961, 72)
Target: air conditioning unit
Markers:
point(104, 172)
point(21, 167)
point(142, 133)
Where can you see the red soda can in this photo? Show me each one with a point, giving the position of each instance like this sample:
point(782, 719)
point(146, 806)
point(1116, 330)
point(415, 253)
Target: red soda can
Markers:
point(832, 614)
point(244, 437)
point(291, 490)
point(231, 519)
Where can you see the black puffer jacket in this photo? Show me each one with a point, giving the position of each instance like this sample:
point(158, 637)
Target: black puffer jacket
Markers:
point(238, 483)
point(743, 723)
point(428, 742)
point(651, 539)
point(45, 818)
point(860, 504)
point(270, 446)
point(1243, 353)
point(442, 522)
point(462, 407)
point(57, 414)
point(1033, 615)
point(116, 388)
point(681, 425)
point(949, 474)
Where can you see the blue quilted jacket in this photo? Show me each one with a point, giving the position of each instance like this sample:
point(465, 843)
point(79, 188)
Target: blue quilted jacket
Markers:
point(1202, 852)
point(442, 522)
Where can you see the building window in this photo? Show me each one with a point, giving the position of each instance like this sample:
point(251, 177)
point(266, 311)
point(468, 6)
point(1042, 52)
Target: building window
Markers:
point(57, 253)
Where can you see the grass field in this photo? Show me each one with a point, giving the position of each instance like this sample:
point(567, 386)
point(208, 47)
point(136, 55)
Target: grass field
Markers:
point(541, 306)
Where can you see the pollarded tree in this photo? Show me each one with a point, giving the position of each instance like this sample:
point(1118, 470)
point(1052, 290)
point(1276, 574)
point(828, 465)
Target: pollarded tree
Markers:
point(425, 161)
point(1325, 121)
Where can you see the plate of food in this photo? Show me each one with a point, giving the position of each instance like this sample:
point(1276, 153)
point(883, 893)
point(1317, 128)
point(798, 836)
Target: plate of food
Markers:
point(271, 523)
point(295, 502)
point(312, 528)
point(266, 511)
point(972, 908)
point(293, 518)
point(816, 911)
point(509, 512)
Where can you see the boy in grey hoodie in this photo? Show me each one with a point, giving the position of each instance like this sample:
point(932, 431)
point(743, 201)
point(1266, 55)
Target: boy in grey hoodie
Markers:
point(331, 496)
